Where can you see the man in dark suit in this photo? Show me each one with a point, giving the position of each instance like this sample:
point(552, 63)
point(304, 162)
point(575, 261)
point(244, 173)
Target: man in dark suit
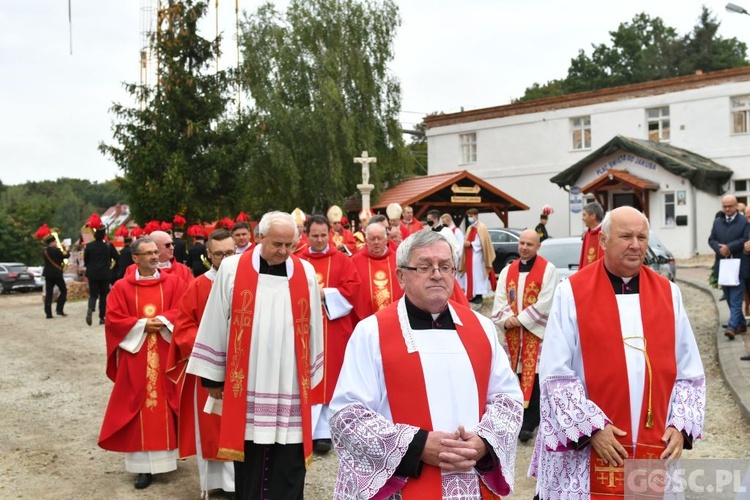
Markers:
point(194, 262)
point(180, 250)
point(98, 257)
point(727, 239)
point(53, 276)
point(124, 260)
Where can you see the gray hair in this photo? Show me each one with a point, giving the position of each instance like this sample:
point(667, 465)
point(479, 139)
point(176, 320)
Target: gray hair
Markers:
point(135, 247)
point(607, 222)
point(420, 239)
point(276, 218)
point(369, 227)
point(594, 208)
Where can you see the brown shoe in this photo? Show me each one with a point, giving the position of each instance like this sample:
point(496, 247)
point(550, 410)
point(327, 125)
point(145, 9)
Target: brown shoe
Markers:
point(741, 329)
point(730, 334)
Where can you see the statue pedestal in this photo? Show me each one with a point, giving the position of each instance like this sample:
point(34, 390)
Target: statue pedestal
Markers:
point(365, 190)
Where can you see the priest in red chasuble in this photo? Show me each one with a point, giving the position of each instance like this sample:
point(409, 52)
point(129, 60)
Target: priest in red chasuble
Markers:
point(620, 373)
point(199, 430)
point(259, 349)
point(376, 267)
point(339, 289)
point(591, 250)
point(141, 417)
point(167, 263)
point(522, 302)
point(426, 380)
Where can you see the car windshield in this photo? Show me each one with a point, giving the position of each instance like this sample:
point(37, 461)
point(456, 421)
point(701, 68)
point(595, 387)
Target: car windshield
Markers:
point(562, 256)
point(16, 269)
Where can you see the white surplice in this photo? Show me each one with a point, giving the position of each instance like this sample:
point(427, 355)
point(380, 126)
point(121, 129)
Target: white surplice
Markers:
point(370, 446)
point(568, 416)
point(273, 401)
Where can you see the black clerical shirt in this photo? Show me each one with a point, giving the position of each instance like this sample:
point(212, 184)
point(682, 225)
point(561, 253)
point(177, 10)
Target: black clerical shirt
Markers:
point(619, 285)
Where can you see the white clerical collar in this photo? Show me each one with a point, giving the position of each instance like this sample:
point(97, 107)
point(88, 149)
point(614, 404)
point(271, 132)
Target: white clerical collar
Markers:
point(211, 273)
point(138, 276)
point(163, 265)
point(241, 250)
point(522, 262)
point(325, 250)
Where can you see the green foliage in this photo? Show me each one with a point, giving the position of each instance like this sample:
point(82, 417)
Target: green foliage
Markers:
point(177, 151)
point(644, 50)
point(318, 76)
point(65, 204)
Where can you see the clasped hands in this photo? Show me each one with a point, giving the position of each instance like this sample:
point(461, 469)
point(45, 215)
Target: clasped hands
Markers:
point(457, 451)
point(153, 325)
point(613, 453)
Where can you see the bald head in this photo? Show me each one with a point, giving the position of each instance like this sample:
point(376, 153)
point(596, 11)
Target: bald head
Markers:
point(164, 244)
point(528, 245)
point(729, 205)
point(624, 238)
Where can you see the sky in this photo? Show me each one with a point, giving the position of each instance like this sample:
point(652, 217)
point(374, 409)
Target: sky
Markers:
point(449, 55)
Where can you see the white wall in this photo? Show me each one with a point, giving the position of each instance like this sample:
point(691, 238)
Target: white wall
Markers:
point(519, 154)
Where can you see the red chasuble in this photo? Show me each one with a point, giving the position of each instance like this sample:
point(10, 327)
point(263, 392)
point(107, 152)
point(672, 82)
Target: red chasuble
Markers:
point(345, 238)
point(180, 270)
point(234, 409)
point(334, 270)
point(380, 287)
point(407, 392)
point(604, 363)
point(185, 330)
point(591, 251)
point(142, 410)
point(531, 343)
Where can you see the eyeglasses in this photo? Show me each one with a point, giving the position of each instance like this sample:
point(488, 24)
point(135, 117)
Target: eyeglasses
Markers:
point(169, 245)
point(220, 255)
point(154, 253)
point(445, 270)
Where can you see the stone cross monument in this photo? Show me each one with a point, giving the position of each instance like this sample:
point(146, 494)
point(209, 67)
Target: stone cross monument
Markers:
point(365, 188)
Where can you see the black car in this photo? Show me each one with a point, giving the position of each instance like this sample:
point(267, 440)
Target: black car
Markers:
point(505, 241)
point(15, 276)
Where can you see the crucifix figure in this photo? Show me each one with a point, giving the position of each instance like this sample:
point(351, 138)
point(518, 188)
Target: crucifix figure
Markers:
point(365, 161)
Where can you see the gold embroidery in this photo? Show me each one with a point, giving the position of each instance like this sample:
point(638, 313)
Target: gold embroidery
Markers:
point(302, 330)
point(149, 310)
point(608, 475)
point(242, 317)
point(152, 370)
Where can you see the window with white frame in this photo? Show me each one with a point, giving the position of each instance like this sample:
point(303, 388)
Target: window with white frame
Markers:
point(669, 216)
point(581, 130)
point(468, 147)
point(741, 114)
point(741, 190)
point(657, 121)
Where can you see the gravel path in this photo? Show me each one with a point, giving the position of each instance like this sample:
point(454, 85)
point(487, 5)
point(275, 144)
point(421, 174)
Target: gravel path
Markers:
point(53, 392)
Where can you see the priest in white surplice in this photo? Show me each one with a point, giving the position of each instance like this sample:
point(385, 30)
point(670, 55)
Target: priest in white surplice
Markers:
point(523, 299)
point(426, 404)
point(259, 348)
point(621, 376)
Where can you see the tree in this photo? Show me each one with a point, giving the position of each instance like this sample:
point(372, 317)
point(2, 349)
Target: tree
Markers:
point(644, 50)
point(177, 154)
point(322, 92)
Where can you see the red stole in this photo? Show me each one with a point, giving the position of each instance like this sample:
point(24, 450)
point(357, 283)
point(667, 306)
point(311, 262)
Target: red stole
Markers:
point(591, 251)
point(234, 414)
point(469, 263)
point(607, 375)
point(322, 265)
point(531, 343)
point(405, 385)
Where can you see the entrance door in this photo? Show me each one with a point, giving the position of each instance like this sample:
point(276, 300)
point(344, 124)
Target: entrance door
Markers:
point(626, 200)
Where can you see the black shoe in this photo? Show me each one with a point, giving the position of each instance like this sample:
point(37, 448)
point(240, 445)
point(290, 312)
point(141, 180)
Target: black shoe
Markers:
point(745, 358)
point(725, 325)
point(229, 495)
point(101, 321)
point(88, 317)
point(322, 446)
point(142, 481)
point(49, 316)
point(477, 299)
point(525, 435)
point(60, 313)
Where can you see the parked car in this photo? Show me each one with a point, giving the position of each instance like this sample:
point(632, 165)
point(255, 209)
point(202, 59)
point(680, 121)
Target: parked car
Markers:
point(563, 253)
point(15, 276)
point(505, 241)
point(36, 272)
point(660, 259)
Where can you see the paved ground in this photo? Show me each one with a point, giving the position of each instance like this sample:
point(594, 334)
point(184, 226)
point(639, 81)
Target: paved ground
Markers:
point(736, 372)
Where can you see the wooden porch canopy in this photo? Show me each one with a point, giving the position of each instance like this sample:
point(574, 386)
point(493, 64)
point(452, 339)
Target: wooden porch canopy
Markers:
point(620, 180)
point(453, 192)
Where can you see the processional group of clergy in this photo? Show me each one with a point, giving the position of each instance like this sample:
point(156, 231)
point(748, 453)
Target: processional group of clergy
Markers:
point(309, 337)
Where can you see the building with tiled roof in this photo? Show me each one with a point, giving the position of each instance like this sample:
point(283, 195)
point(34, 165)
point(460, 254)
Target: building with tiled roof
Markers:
point(674, 147)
